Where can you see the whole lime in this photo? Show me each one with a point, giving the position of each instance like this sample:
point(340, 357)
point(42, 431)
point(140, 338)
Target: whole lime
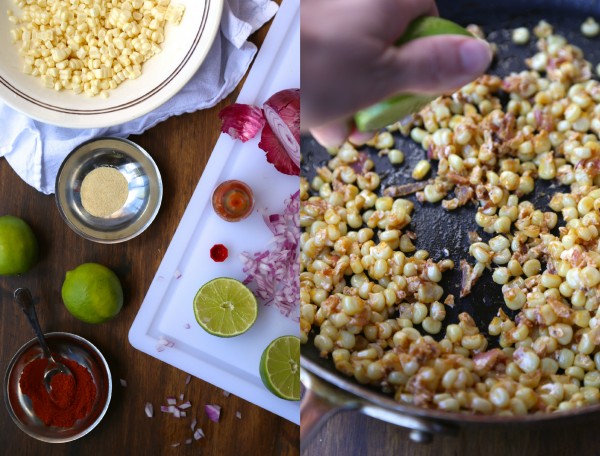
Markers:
point(18, 246)
point(92, 293)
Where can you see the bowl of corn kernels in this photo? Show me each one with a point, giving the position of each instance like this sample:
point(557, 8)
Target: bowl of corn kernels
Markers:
point(73, 64)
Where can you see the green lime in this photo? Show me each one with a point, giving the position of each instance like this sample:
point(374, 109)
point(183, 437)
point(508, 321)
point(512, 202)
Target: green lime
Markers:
point(18, 246)
point(92, 293)
point(280, 367)
point(225, 307)
point(431, 26)
point(387, 112)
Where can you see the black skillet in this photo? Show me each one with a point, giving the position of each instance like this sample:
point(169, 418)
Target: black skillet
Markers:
point(445, 233)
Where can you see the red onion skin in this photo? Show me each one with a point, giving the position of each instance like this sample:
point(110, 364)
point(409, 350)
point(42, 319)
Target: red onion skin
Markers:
point(241, 121)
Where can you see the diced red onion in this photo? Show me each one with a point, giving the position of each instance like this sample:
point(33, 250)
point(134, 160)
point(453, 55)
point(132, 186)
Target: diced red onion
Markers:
point(162, 343)
point(238, 415)
point(149, 409)
point(177, 274)
point(182, 414)
point(241, 121)
point(187, 326)
point(193, 424)
point(165, 408)
point(188, 441)
point(181, 397)
point(226, 393)
point(198, 434)
point(185, 405)
point(175, 445)
point(275, 272)
point(123, 382)
point(171, 400)
point(188, 379)
point(176, 412)
point(213, 412)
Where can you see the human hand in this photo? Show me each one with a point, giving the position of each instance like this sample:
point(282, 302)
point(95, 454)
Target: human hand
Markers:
point(349, 61)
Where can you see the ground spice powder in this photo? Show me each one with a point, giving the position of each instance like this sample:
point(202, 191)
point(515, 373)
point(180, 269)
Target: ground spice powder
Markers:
point(68, 406)
point(104, 191)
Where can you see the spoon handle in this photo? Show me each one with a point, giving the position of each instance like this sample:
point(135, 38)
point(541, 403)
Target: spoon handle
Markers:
point(25, 300)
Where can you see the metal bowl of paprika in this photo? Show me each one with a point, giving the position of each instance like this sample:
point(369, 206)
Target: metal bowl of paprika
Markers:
point(29, 404)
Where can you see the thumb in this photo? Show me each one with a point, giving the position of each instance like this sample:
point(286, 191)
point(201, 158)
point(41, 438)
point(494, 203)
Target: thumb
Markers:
point(438, 63)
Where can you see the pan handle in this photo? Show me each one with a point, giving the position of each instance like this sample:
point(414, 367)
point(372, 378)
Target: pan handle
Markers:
point(322, 400)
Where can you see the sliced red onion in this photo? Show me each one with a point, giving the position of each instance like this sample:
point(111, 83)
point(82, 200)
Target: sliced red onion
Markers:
point(238, 415)
point(185, 405)
point(213, 412)
point(276, 153)
point(282, 112)
point(241, 121)
point(198, 434)
point(275, 273)
point(280, 137)
point(149, 409)
point(171, 400)
point(188, 379)
point(193, 424)
point(123, 382)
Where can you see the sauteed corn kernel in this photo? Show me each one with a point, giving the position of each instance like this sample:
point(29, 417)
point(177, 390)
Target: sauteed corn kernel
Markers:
point(373, 300)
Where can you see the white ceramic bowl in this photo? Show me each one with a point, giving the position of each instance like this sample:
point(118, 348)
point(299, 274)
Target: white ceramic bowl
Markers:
point(183, 51)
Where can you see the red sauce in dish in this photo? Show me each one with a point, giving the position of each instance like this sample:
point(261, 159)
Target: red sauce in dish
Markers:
point(219, 253)
point(233, 200)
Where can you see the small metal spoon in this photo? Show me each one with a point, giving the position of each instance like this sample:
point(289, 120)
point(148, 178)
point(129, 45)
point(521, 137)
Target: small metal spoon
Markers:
point(24, 299)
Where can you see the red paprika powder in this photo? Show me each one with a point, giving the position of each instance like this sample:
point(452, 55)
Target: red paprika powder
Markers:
point(73, 396)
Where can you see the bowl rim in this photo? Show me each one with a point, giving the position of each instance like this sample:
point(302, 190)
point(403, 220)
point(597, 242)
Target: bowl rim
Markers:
point(88, 236)
point(170, 86)
point(11, 365)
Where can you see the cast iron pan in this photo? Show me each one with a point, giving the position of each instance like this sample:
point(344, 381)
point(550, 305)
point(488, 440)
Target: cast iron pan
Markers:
point(438, 229)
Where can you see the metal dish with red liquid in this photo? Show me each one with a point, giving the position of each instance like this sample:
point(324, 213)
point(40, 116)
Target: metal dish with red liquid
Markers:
point(63, 345)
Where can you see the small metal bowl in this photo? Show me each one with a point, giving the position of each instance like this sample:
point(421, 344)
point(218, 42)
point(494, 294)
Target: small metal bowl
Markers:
point(144, 185)
point(67, 346)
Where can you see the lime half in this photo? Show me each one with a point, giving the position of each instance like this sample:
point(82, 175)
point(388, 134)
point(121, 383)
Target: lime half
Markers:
point(225, 307)
point(280, 367)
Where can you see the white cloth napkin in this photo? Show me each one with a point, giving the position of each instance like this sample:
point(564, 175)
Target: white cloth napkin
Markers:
point(35, 150)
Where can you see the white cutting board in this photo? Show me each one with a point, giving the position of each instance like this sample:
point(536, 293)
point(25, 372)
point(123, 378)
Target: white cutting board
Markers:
point(167, 311)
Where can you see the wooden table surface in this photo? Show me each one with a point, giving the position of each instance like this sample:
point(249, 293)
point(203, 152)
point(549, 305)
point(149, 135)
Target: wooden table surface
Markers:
point(351, 433)
point(181, 147)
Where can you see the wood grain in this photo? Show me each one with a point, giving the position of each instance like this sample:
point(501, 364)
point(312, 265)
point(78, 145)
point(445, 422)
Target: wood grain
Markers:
point(351, 433)
point(181, 147)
